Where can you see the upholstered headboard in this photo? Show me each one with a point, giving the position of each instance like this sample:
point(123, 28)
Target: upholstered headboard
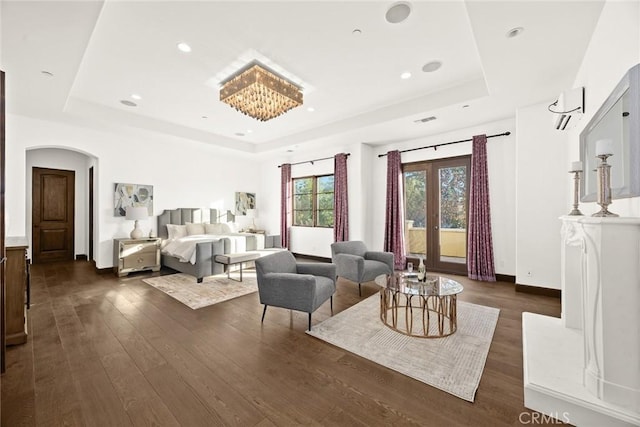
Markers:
point(181, 216)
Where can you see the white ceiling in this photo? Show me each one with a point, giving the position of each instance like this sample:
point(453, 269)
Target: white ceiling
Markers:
point(101, 52)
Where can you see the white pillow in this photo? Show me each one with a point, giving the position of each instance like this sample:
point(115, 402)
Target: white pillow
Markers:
point(224, 228)
point(213, 228)
point(176, 231)
point(234, 227)
point(193, 229)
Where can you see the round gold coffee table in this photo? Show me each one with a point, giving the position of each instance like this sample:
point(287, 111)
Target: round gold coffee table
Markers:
point(419, 309)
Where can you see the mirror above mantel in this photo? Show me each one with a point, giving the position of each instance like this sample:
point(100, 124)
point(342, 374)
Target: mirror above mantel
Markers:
point(618, 119)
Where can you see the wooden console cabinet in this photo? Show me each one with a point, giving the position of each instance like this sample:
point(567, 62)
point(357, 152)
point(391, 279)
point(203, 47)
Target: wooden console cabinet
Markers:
point(136, 255)
point(16, 290)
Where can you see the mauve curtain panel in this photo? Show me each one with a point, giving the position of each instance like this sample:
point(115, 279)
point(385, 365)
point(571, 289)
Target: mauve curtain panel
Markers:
point(394, 217)
point(480, 246)
point(285, 203)
point(340, 199)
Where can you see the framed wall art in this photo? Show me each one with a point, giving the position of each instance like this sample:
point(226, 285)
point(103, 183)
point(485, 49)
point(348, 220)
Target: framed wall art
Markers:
point(134, 195)
point(245, 201)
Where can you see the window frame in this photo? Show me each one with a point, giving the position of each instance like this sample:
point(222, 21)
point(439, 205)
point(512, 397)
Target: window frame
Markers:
point(314, 201)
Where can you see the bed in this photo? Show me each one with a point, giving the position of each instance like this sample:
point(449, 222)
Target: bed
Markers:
point(191, 237)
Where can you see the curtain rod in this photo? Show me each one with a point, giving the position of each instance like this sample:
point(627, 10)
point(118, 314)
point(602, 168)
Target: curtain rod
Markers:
point(314, 160)
point(435, 146)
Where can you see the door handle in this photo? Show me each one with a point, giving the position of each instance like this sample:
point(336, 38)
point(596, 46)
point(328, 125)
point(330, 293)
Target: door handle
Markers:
point(435, 228)
point(3, 260)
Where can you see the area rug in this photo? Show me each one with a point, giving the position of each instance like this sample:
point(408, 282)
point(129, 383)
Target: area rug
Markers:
point(212, 290)
point(453, 364)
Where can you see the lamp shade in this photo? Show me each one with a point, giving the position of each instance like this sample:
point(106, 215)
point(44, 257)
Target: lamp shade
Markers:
point(251, 213)
point(138, 212)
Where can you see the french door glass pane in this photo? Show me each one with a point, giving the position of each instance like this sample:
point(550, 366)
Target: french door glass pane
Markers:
point(415, 201)
point(453, 214)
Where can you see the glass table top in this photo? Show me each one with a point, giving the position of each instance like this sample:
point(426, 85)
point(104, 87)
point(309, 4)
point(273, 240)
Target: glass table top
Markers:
point(410, 285)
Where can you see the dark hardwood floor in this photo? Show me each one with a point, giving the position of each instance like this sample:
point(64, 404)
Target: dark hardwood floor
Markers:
point(106, 351)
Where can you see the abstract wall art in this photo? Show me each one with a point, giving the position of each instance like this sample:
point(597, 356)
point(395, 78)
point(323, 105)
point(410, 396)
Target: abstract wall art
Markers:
point(134, 195)
point(245, 201)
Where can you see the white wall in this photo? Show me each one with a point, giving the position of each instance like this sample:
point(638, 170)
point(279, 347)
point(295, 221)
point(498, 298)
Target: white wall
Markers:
point(367, 188)
point(501, 164)
point(541, 181)
point(613, 50)
point(183, 173)
point(310, 240)
point(67, 160)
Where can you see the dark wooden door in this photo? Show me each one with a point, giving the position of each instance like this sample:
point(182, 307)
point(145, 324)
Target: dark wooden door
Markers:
point(52, 216)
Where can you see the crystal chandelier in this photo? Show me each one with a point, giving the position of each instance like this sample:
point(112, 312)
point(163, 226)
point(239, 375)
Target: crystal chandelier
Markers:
point(259, 93)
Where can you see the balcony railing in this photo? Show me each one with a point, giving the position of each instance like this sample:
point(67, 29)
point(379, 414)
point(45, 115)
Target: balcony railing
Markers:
point(453, 241)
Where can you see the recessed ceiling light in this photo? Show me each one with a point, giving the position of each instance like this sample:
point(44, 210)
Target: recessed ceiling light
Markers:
point(432, 66)
point(356, 32)
point(514, 32)
point(249, 131)
point(204, 117)
point(128, 103)
point(183, 47)
point(136, 96)
point(239, 134)
point(465, 106)
point(47, 73)
point(289, 150)
point(311, 109)
point(398, 12)
point(406, 75)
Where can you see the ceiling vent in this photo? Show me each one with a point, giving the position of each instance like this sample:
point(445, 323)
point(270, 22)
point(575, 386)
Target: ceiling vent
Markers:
point(568, 108)
point(425, 120)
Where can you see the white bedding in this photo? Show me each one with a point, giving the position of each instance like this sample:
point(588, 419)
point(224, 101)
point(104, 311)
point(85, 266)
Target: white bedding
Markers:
point(184, 248)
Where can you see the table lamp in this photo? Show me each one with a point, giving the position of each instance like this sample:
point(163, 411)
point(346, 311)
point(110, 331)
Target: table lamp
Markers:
point(137, 213)
point(252, 213)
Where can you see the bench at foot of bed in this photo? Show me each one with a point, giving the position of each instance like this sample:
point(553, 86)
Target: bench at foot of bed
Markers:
point(231, 259)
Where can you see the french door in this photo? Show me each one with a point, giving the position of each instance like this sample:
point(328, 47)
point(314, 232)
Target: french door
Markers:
point(436, 195)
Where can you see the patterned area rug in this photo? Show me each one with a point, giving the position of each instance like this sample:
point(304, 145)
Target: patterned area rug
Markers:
point(212, 290)
point(453, 364)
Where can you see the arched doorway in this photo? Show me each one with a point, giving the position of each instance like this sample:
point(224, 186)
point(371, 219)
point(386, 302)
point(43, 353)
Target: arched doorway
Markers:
point(78, 166)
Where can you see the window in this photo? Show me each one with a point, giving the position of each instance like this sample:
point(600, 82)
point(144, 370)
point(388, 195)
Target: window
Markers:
point(313, 201)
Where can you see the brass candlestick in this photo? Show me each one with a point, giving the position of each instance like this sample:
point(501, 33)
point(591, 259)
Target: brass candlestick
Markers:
point(576, 193)
point(604, 186)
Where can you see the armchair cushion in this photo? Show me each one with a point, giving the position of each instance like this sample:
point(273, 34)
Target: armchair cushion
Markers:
point(385, 257)
point(354, 262)
point(349, 266)
point(373, 269)
point(288, 290)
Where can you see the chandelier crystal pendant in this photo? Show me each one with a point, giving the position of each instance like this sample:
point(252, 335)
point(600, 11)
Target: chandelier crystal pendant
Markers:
point(259, 93)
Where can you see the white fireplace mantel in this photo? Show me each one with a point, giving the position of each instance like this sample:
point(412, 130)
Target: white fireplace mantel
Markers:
point(585, 367)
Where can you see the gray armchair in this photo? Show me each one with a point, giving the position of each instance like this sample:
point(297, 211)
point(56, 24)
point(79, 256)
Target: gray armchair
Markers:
point(354, 262)
point(282, 282)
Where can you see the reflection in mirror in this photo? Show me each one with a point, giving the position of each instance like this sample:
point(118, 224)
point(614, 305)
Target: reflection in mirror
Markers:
point(618, 120)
